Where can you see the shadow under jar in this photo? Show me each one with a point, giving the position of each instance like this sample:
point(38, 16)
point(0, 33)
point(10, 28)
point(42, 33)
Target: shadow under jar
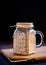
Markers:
point(24, 39)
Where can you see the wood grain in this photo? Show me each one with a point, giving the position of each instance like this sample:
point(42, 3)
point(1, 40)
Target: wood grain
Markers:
point(38, 55)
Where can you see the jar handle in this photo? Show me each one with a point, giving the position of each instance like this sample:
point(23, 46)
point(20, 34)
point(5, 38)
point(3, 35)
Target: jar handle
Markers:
point(42, 36)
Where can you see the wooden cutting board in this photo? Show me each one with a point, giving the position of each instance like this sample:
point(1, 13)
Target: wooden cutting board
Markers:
point(38, 55)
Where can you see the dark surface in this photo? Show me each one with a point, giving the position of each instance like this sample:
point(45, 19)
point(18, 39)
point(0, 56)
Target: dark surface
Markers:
point(5, 61)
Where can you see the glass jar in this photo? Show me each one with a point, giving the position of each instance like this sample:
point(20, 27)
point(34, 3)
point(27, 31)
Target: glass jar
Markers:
point(24, 39)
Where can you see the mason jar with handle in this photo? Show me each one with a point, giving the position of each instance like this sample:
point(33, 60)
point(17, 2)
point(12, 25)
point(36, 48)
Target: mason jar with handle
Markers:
point(24, 38)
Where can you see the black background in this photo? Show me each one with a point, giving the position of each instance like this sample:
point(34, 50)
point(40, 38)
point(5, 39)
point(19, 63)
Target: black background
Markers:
point(16, 11)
